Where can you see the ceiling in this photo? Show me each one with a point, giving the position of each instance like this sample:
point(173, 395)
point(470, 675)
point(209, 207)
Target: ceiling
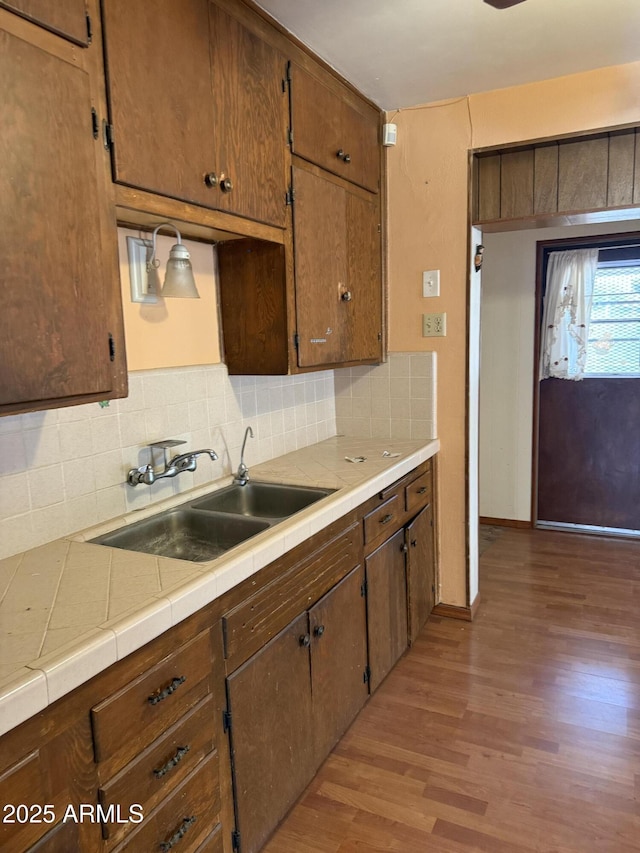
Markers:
point(406, 52)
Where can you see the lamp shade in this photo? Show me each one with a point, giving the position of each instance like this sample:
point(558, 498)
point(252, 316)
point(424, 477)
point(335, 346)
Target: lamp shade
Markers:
point(178, 280)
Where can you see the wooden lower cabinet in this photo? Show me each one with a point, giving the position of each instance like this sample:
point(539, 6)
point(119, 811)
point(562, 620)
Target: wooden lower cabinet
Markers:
point(386, 606)
point(420, 570)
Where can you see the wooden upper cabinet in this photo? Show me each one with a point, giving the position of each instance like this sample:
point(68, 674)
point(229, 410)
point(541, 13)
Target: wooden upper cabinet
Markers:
point(333, 134)
point(66, 18)
point(338, 271)
point(60, 331)
point(251, 119)
point(197, 106)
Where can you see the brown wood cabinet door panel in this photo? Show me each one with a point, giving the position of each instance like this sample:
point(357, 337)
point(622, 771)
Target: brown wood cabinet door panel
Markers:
point(582, 174)
point(271, 739)
point(320, 232)
point(214, 843)
point(489, 187)
point(132, 718)
point(363, 312)
point(621, 168)
point(420, 570)
point(54, 338)
point(338, 629)
point(67, 19)
point(250, 107)
point(516, 184)
point(64, 838)
point(186, 818)
point(160, 96)
point(386, 607)
point(324, 124)
point(545, 180)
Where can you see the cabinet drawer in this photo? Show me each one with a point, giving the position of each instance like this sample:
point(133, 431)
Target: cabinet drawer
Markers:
point(253, 623)
point(62, 839)
point(185, 819)
point(213, 843)
point(383, 519)
point(133, 717)
point(418, 493)
point(154, 773)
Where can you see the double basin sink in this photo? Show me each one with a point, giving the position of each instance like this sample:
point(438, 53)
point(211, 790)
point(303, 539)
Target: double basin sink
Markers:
point(206, 527)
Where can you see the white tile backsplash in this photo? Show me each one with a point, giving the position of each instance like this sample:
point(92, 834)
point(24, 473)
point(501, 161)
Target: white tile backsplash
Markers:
point(65, 469)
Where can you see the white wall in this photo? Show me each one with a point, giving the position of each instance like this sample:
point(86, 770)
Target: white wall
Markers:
point(507, 369)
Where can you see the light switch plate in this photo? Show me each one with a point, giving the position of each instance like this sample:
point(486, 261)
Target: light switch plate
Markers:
point(431, 283)
point(434, 325)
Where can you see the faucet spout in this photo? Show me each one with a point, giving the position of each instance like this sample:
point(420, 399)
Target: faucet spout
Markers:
point(242, 474)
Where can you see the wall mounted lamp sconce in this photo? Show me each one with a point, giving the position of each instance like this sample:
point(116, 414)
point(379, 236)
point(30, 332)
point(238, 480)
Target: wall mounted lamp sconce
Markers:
point(179, 282)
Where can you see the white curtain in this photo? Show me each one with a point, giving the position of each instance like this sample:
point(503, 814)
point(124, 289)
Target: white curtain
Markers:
point(567, 311)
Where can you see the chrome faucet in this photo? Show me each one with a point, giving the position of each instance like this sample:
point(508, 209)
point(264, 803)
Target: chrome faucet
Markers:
point(242, 474)
point(148, 474)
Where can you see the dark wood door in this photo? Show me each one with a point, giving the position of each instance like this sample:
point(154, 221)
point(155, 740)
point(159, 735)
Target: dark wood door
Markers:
point(272, 747)
point(251, 120)
point(589, 452)
point(386, 606)
point(67, 19)
point(362, 314)
point(320, 244)
point(160, 96)
point(330, 132)
point(338, 628)
point(54, 336)
point(420, 570)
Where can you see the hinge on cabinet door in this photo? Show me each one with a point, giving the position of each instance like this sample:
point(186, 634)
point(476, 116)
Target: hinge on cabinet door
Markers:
point(363, 589)
point(288, 72)
point(366, 675)
point(296, 340)
point(112, 348)
point(404, 548)
point(379, 336)
point(95, 124)
point(290, 196)
point(226, 721)
point(379, 228)
point(235, 839)
point(107, 134)
point(89, 28)
point(290, 136)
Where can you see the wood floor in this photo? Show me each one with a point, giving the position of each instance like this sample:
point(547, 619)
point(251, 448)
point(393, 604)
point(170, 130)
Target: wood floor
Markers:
point(517, 732)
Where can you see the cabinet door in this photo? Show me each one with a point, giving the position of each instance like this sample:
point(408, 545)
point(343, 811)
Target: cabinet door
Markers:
point(159, 86)
point(271, 741)
point(420, 570)
point(320, 251)
point(67, 19)
point(250, 112)
point(338, 628)
point(54, 331)
point(362, 313)
point(330, 132)
point(386, 606)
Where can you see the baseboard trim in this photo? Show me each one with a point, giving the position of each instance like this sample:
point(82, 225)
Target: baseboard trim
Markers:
point(506, 522)
point(450, 611)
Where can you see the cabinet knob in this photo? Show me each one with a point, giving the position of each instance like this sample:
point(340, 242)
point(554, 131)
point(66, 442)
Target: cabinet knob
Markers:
point(305, 640)
point(342, 155)
point(226, 185)
point(318, 631)
point(386, 518)
point(346, 296)
point(211, 179)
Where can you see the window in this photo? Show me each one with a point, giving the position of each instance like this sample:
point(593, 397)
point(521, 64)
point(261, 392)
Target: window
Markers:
point(613, 347)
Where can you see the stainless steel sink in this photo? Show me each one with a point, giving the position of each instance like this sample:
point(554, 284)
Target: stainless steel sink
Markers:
point(262, 500)
point(184, 534)
point(204, 529)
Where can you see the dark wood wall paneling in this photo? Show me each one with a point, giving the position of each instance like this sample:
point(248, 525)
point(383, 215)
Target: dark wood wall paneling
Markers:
point(599, 172)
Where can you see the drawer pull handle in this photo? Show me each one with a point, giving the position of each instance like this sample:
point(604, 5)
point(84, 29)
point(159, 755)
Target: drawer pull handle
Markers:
point(422, 490)
point(182, 830)
point(305, 640)
point(342, 155)
point(318, 631)
point(171, 763)
point(168, 690)
point(386, 518)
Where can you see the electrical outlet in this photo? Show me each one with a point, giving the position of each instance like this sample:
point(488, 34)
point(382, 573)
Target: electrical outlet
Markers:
point(431, 283)
point(434, 325)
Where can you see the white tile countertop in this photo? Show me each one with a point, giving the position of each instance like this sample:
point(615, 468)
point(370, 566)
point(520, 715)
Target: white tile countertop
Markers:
point(70, 609)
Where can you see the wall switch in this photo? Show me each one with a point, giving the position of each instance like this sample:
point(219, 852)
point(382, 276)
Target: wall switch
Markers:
point(434, 325)
point(431, 283)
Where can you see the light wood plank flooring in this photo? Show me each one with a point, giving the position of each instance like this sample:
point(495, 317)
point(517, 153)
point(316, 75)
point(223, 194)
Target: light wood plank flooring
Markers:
point(519, 732)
